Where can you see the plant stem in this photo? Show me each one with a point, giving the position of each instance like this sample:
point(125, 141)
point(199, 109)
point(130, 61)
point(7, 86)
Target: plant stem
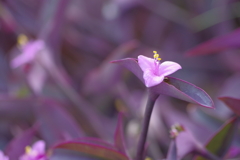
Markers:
point(152, 97)
point(172, 152)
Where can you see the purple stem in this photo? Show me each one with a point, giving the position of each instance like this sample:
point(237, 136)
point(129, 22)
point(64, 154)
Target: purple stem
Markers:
point(172, 152)
point(152, 97)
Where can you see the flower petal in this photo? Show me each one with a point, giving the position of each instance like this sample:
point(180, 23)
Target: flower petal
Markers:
point(39, 146)
point(29, 52)
point(146, 63)
point(2, 156)
point(37, 77)
point(151, 79)
point(168, 67)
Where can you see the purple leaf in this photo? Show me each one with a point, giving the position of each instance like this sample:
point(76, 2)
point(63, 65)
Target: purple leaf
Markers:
point(172, 152)
point(221, 141)
point(93, 150)
point(187, 143)
point(228, 41)
point(185, 91)
point(232, 103)
point(13, 108)
point(55, 122)
point(170, 116)
point(118, 137)
point(171, 86)
point(17, 146)
point(132, 65)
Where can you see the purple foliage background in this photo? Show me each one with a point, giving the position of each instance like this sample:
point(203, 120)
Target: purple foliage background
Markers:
point(70, 96)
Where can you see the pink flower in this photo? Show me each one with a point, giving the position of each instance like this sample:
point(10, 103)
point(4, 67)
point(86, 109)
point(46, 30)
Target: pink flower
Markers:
point(34, 53)
point(29, 53)
point(151, 72)
point(36, 152)
point(2, 156)
point(154, 71)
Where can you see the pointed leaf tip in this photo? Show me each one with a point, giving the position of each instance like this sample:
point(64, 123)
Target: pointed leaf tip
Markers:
point(185, 91)
point(172, 151)
point(119, 136)
point(232, 103)
point(218, 44)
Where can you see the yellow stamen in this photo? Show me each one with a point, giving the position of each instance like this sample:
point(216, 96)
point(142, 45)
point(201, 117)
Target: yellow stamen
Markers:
point(28, 149)
point(22, 39)
point(156, 56)
point(148, 158)
point(175, 130)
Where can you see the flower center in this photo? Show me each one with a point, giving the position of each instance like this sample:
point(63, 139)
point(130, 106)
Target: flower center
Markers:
point(29, 151)
point(175, 130)
point(156, 56)
point(156, 62)
point(22, 40)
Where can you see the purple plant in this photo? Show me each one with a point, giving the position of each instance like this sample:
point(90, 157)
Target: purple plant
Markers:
point(57, 85)
point(153, 74)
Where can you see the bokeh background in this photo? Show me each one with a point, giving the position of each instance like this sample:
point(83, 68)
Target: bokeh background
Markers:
point(74, 82)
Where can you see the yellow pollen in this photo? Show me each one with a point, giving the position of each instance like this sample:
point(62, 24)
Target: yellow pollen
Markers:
point(156, 56)
point(148, 158)
point(28, 149)
point(22, 39)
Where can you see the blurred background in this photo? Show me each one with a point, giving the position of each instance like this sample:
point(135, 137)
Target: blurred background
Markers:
point(55, 68)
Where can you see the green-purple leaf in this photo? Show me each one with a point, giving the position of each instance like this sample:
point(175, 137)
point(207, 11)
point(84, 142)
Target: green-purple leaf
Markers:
point(91, 149)
point(171, 86)
point(232, 103)
point(220, 142)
